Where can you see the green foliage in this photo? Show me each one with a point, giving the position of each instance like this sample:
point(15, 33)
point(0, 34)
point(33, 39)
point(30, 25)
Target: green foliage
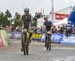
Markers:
point(1, 18)
point(8, 14)
point(4, 18)
point(37, 15)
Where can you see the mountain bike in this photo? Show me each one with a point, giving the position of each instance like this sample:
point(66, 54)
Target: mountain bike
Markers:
point(25, 42)
point(48, 41)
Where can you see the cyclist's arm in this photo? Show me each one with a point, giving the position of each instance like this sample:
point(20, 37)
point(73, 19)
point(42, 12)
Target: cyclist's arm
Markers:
point(44, 26)
point(22, 19)
point(30, 22)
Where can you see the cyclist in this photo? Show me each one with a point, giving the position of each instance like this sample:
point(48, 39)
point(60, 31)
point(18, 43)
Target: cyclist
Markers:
point(48, 25)
point(26, 20)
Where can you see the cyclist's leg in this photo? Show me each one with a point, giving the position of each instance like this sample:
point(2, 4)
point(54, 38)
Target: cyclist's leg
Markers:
point(22, 45)
point(47, 46)
point(46, 43)
point(25, 40)
point(50, 43)
point(27, 49)
point(50, 46)
point(30, 35)
point(27, 43)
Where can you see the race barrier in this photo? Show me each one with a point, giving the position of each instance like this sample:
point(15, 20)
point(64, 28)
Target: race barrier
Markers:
point(36, 36)
point(56, 37)
point(3, 38)
point(70, 40)
point(17, 35)
point(61, 38)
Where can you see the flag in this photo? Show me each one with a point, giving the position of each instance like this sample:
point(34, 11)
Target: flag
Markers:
point(71, 17)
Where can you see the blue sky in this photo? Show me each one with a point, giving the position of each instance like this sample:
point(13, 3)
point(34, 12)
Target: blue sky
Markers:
point(34, 5)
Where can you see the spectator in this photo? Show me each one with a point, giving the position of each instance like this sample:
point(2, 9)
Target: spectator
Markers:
point(61, 30)
point(54, 30)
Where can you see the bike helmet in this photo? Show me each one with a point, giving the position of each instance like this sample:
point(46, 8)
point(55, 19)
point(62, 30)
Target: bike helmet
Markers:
point(26, 10)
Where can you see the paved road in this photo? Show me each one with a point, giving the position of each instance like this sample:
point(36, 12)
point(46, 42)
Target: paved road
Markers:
point(37, 53)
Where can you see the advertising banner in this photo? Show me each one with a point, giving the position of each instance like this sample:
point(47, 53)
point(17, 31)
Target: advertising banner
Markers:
point(70, 40)
point(3, 38)
point(1, 42)
point(56, 37)
point(59, 16)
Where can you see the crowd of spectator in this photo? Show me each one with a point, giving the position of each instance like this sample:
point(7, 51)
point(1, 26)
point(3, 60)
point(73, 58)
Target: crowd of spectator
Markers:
point(63, 30)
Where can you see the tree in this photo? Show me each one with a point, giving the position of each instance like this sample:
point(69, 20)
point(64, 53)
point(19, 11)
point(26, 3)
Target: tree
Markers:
point(1, 18)
point(4, 18)
point(8, 14)
point(7, 17)
point(37, 15)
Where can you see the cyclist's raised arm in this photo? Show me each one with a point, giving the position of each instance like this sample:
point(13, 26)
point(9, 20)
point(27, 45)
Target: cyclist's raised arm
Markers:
point(30, 22)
